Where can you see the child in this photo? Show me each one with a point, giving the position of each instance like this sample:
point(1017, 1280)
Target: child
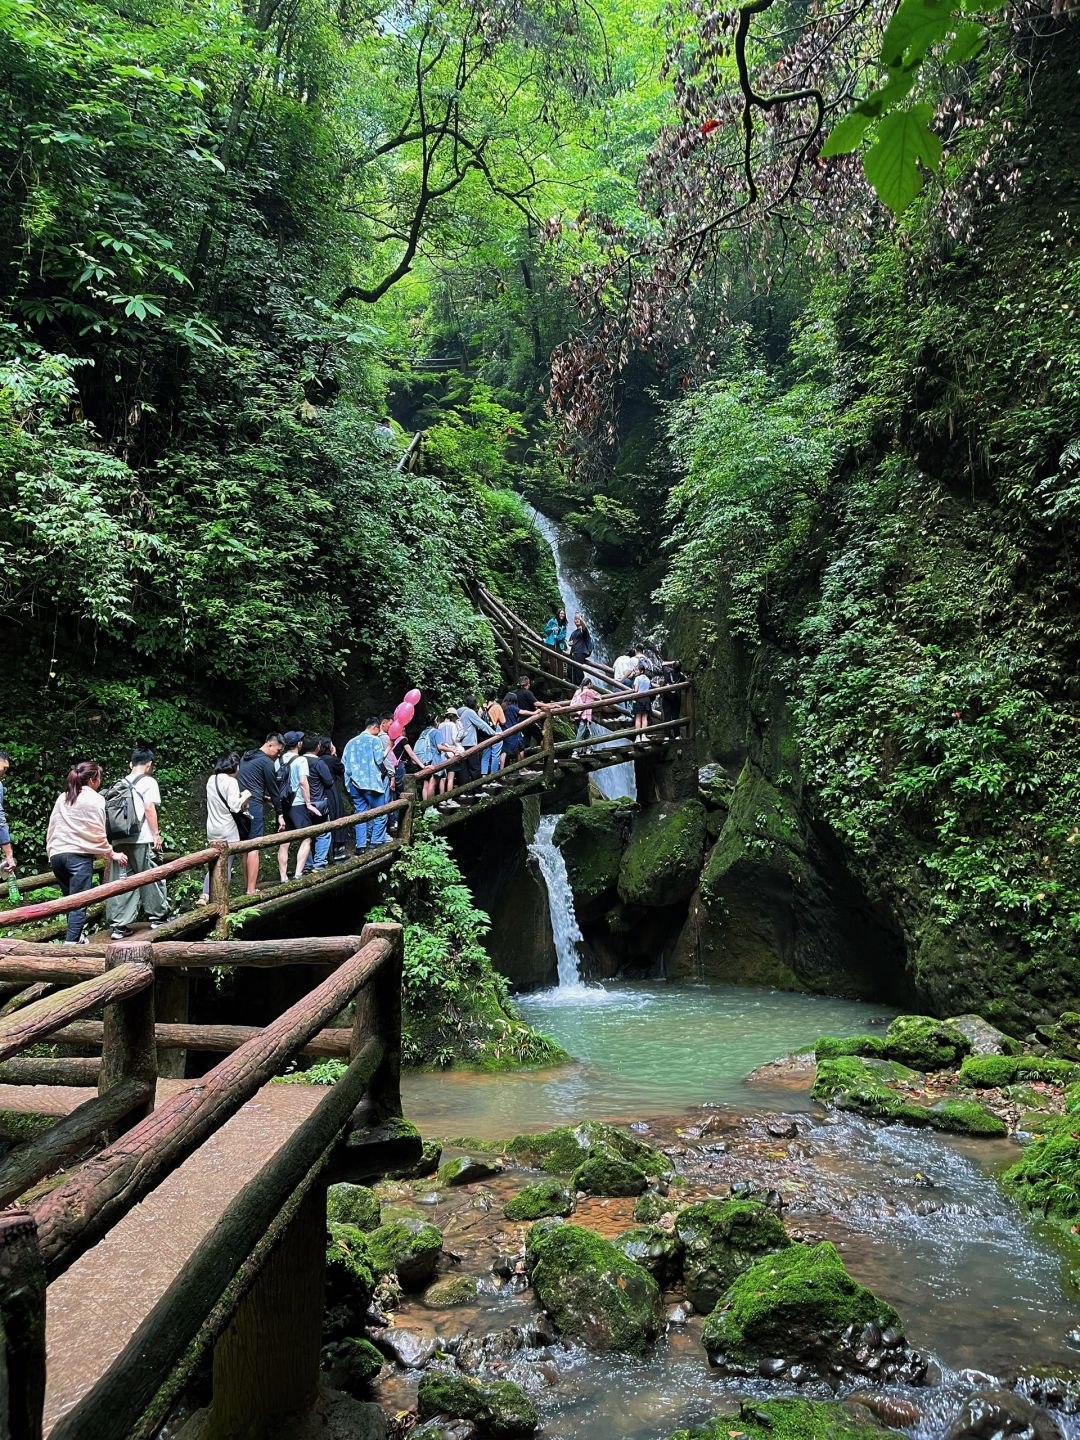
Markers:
point(642, 708)
point(585, 695)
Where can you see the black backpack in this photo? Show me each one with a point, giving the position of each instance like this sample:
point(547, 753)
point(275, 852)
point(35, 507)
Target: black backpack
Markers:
point(123, 815)
point(285, 787)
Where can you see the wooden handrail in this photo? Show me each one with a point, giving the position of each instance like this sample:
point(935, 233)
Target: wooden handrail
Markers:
point(22, 959)
point(44, 1017)
point(45, 909)
point(408, 458)
point(221, 1039)
point(308, 832)
point(78, 1212)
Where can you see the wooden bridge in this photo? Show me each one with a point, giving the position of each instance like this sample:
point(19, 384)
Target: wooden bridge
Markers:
point(160, 1216)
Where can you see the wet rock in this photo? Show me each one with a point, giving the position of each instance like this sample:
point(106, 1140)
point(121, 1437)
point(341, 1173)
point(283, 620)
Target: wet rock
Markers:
point(562, 1150)
point(658, 1251)
point(451, 1290)
point(1055, 1389)
point(662, 862)
point(412, 1349)
point(592, 839)
point(791, 1420)
point(350, 1276)
point(499, 1408)
point(876, 1088)
point(772, 1368)
point(353, 1205)
point(590, 1290)
point(408, 1248)
point(652, 1206)
point(1002, 1415)
point(477, 1352)
point(720, 1238)
point(534, 1202)
point(925, 1043)
point(445, 1430)
point(802, 1304)
point(889, 1409)
point(680, 1314)
point(639, 1127)
point(427, 1164)
point(351, 1365)
point(467, 1170)
point(609, 1175)
point(781, 1127)
point(986, 1039)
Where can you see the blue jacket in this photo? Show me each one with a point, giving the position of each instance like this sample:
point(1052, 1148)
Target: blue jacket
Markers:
point(363, 761)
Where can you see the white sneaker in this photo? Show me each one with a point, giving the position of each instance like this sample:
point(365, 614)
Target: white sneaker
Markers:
point(449, 805)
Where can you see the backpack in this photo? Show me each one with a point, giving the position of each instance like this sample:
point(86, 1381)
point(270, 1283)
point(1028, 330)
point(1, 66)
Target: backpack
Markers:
point(123, 813)
point(285, 787)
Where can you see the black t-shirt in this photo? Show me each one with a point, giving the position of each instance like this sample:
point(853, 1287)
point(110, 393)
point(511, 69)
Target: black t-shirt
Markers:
point(336, 771)
point(320, 782)
point(526, 700)
point(259, 774)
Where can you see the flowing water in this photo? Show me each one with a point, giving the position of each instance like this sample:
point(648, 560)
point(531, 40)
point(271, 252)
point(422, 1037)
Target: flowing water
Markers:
point(564, 925)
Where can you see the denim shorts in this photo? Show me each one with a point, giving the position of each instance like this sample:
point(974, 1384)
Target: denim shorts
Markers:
point(257, 811)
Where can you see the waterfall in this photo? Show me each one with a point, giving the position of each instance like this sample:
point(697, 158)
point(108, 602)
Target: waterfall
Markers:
point(564, 923)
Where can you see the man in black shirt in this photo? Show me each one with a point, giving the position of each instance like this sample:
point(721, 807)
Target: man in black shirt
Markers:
point(526, 702)
point(258, 774)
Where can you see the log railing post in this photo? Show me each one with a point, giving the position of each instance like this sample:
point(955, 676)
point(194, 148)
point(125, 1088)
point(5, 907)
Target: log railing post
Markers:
point(548, 746)
point(22, 1328)
point(515, 650)
point(690, 732)
point(378, 1013)
point(219, 886)
point(128, 1048)
point(408, 815)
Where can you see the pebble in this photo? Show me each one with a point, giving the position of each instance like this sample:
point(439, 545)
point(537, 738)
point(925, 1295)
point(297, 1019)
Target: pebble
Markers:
point(771, 1368)
point(889, 1409)
point(781, 1127)
point(639, 1127)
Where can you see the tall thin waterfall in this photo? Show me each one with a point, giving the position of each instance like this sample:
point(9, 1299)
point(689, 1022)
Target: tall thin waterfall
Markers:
point(564, 924)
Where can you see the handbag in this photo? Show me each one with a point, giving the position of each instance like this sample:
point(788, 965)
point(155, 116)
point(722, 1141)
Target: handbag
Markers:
point(241, 817)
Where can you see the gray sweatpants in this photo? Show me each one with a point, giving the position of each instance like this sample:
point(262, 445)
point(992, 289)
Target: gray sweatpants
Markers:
point(123, 910)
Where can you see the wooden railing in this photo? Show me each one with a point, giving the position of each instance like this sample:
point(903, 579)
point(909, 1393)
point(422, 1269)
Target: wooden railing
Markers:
point(525, 648)
point(43, 1239)
point(411, 455)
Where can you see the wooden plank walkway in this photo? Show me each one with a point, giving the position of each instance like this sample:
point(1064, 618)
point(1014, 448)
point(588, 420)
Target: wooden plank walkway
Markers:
point(95, 1307)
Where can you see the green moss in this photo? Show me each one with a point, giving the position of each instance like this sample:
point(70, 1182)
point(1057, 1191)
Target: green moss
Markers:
point(790, 1420)
point(662, 862)
point(987, 1072)
point(650, 1207)
point(847, 1071)
point(467, 1170)
point(608, 1175)
point(829, 1047)
point(451, 1290)
point(562, 1150)
point(427, 1164)
point(409, 1248)
point(499, 1408)
point(925, 1043)
point(965, 1117)
point(1063, 1035)
point(720, 1238)
point(535, 1202)
point(472, 1143)
point(875, 1088)
point(592, 838)
point(796, 1303)
point(657, 1250)
point(353, 1205)
point(350, 1271)
point(352, 1364)
point(762, 829)
point(592, 1292)
point(1046, 1178)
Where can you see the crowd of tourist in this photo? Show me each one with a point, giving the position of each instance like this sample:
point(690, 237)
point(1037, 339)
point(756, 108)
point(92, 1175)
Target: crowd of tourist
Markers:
point(294, 781)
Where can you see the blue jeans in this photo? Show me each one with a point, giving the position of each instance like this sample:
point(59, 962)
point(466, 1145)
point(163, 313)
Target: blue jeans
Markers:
point(489, 759)
point(320, 852)
point(74, 873)
point(364, 800)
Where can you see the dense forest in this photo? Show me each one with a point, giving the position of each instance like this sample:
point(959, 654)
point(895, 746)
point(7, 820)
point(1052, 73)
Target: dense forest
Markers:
point(775, 306)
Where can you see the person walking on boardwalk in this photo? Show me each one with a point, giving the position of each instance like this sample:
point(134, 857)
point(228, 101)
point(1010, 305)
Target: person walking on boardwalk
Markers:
point(642, 707)
point(292, 740)
point(335, 806)
point(587, 696)
point(473, 725)
point(8, 862)
point(491, 760)
point(671, 703)
point(365, 779)
point(226, 803)
point(303, 811)
point(259, 776)
point(131, 807)
point(581, 647)
point(76, 837)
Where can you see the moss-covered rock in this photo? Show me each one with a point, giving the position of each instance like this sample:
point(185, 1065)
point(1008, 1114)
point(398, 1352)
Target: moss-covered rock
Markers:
point(409, 1248)
point(879, 1089)
point(351, 1365)
point(451, 1290)
point(662, 862)
point(990, 1072)
point(350, 1272)
point(562, 1150)
point(829, 1047)
point(925, 1043)
point(353, 1205)
point(657, 1250)
point(801, 1306)
point(535, 1202)
point(1062, 1036)
point(720, 1238)
point(468, 1170)
point(499, 1408)
point(592, 839)
point(1046, 1178)
point(426, 1164)
point(609, 1175)
point(652, 1206)
point(986, 1039)
point(790, 1420)
point(592, 1292)
point(965, 1117)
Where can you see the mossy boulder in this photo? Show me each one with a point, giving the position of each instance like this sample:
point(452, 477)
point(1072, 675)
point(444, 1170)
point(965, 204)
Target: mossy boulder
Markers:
point(351, 1364)
point(409, 1248)
point(1062, 1036)
point(990, 1072)
point(609, 1175)
point(592, 839)
point(499, 1408)
point(829, 1047)
point(791, 1420)
point(657, 1250)
point(535, 1202)
point(468, 1170)
point(652, 1206)
point(350, 1272)
point(965, 1117)
point(986, 1039)
point(427, 1164)
point(562, 1150)
point(880, 1090)
point(1046, 1178)
point(353, 1205)
point(925, 1043)
point(592, 1292)
point(662, 862)
point(451, 1290)
point(800, 1306)
point(720, 1238)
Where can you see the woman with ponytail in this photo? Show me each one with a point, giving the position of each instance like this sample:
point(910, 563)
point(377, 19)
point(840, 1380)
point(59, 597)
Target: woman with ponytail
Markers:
point(76, 838)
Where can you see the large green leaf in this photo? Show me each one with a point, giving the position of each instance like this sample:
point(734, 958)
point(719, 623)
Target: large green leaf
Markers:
point(847, 135)
point(916, 26)
point(904, 139)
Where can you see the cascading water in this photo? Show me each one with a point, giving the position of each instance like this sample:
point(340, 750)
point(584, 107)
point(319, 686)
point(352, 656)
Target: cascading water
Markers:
point(564, 925)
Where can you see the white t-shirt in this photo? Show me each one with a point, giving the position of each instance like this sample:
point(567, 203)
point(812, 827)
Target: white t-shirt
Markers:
point(222, 804)
point(146, 789)
point(623, 667)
